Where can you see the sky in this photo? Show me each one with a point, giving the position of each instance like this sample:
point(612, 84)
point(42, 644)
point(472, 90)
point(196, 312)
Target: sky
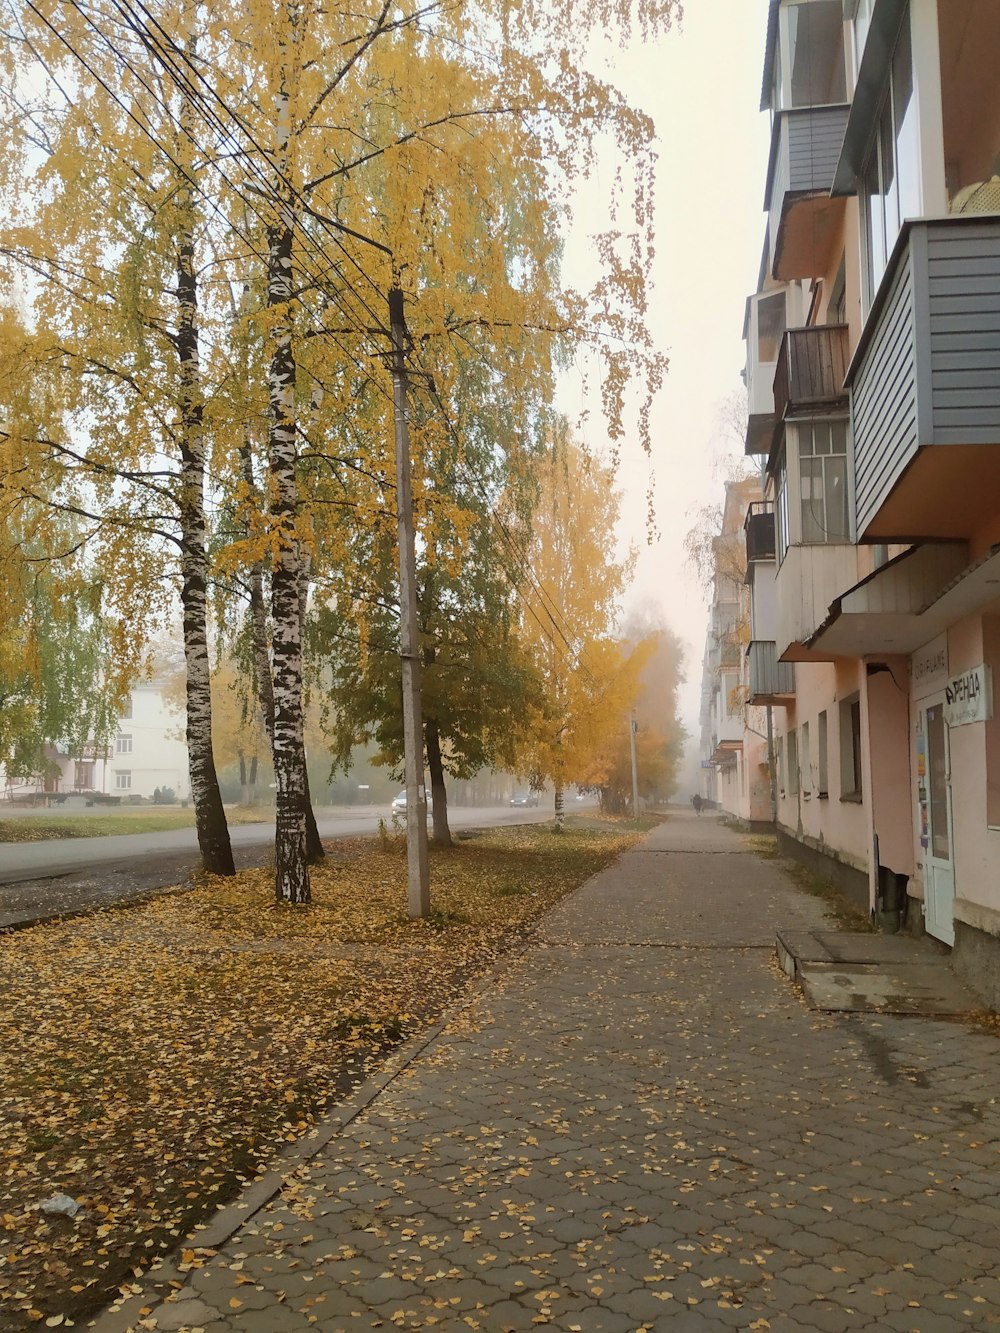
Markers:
point(701, 84)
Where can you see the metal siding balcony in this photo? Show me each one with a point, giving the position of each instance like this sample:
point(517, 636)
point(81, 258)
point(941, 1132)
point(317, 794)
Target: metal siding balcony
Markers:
point(802, 217)
point(771, 681)
point(925, 386)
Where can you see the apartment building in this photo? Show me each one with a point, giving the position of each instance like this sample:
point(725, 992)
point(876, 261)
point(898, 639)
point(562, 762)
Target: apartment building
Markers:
point(734, 742)
point(873, 374)
point(147, 753)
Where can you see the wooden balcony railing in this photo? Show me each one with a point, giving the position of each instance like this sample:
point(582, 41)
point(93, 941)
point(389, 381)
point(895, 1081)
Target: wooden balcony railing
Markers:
point(812, 363)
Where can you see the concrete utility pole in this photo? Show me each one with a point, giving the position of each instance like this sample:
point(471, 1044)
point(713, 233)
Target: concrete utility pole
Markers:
point(418, 872)
point(633, 727)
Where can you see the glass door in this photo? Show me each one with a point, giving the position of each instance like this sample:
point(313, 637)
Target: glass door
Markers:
point(939, 872)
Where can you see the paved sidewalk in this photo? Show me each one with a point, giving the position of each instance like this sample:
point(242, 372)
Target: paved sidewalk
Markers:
point(640, 1126)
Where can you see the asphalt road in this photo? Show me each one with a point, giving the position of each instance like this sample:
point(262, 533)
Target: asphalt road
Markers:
point(61, 877)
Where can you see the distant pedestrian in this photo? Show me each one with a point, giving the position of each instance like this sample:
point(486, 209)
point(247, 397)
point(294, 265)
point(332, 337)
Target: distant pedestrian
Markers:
point(697, 802)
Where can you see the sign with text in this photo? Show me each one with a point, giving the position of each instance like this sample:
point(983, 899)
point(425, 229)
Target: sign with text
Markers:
point(968, 697)
point(929, 667)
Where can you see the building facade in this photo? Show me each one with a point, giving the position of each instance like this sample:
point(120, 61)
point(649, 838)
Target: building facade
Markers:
point(873, 375)
point(147, 754)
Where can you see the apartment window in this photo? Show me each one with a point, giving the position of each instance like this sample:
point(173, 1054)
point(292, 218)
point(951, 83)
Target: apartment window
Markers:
point(123, 779)
point(124, 745)
point(814, 37)
point(805, 760)
point(83, 775)
point(822, 786)
point(793, 764)
point(781, 507)
point(850, 748)
point(889, 183)
point(127, 707)
point(770, 326)
point(823, 468)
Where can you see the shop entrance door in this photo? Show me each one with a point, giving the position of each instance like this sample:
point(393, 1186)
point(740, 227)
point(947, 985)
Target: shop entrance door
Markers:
point(939, 869)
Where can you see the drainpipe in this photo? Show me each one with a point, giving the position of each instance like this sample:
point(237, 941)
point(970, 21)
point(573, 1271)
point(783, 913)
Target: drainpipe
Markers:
point(771, 771)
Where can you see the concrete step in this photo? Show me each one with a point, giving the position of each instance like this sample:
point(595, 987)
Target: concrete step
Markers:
point(844, 971)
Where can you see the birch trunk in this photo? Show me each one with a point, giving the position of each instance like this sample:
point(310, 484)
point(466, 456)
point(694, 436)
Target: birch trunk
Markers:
point(315, 852)
point(210, 817)
point(291, 869)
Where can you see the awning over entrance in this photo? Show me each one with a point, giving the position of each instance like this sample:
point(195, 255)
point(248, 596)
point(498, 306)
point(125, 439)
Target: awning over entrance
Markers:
point(909, 601)
point(725, 753)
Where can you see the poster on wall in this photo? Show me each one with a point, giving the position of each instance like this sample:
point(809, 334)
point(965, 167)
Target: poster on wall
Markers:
point(968, 697)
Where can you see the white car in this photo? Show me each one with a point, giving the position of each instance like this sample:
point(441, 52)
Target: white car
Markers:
point(399, 803)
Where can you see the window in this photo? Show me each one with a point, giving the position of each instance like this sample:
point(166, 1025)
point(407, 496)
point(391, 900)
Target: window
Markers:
point(770, 326)
point(804, 761)
point(124, 745)
point(83, 775)
point(793, 764)
point(127, 707)
point(889, 184)
point(823, 465)
point(781, 507)
point(823, 787)
point(817, 73)
point(123, 779)
point(850, 748)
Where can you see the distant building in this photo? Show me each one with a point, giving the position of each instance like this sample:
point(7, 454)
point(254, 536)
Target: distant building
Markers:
point(148, 752)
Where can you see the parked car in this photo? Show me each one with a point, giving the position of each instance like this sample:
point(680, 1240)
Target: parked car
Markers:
point(524, 798)
point(399, 803)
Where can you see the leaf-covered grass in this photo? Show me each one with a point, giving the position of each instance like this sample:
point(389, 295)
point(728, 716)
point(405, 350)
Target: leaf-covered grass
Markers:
point(840, 909)
point(153, 1057)
point(45, 826)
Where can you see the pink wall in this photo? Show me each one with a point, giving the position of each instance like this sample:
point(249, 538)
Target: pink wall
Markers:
point(976, 847)
point(837, 826)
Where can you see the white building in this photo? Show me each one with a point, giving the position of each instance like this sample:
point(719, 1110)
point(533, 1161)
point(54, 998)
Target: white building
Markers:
point(148, 752)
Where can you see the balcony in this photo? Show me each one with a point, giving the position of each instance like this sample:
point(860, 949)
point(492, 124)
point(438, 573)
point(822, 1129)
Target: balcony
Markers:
point(925, 386)
point(809, 376)
point(803, 220)
point(729, 655)
point(759, 528)
point(808, 581)
point(771, 681)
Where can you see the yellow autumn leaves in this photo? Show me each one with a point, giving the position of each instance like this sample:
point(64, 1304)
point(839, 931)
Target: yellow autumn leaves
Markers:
point(152, 1058)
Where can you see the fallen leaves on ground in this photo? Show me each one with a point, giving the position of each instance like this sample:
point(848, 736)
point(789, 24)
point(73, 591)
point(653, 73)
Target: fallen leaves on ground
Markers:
point(153, 1058)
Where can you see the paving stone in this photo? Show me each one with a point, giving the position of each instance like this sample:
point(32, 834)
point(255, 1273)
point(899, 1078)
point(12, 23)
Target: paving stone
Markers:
point(647, 1098)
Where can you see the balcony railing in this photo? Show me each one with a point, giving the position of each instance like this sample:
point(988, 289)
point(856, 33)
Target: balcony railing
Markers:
point(812, 364)
point(771, 681)
point(759, 527)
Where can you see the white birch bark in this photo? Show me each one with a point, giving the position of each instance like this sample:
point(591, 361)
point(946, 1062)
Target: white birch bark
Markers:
point(291, 883)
